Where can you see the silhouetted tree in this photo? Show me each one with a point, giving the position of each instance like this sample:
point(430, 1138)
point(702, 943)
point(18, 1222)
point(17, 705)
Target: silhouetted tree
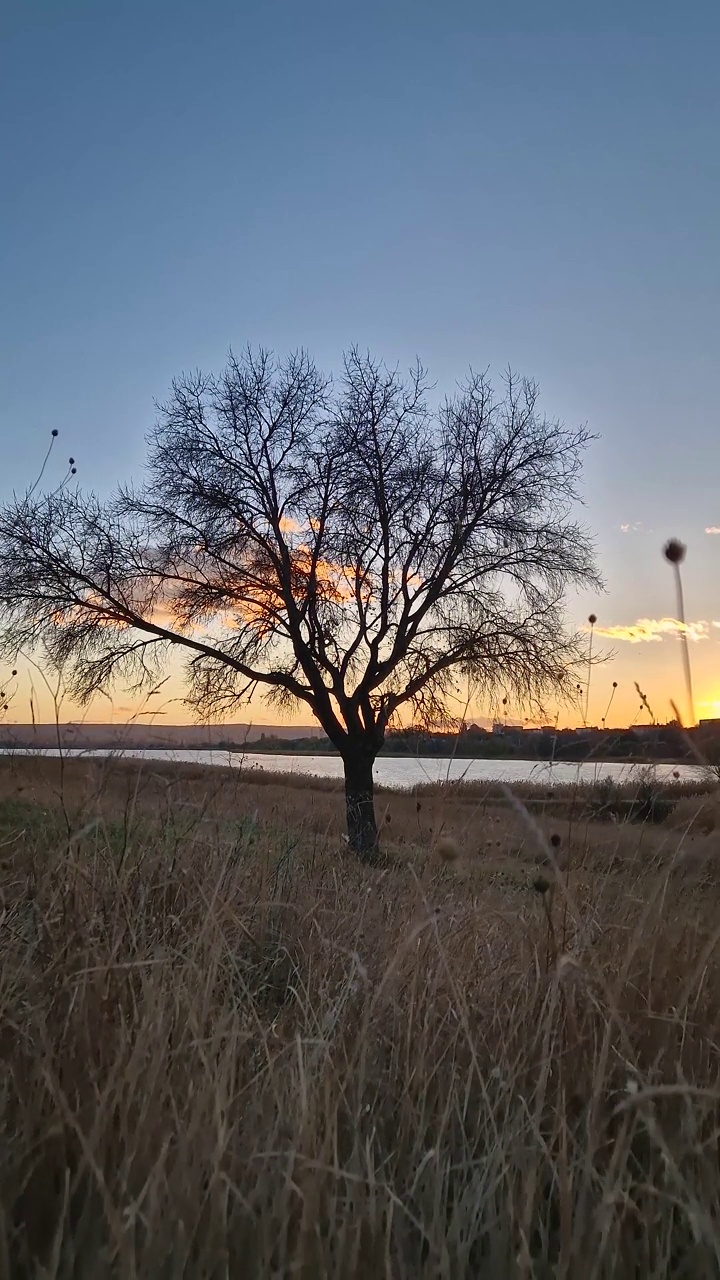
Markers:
point(336, 544)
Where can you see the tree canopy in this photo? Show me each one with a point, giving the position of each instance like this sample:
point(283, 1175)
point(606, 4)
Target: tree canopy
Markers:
point(342, 544)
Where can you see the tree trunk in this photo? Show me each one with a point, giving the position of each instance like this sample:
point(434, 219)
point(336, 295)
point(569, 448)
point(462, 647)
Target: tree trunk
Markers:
point(360, 803)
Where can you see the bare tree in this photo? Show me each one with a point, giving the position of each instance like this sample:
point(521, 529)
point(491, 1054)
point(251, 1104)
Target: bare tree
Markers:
point(335, 544)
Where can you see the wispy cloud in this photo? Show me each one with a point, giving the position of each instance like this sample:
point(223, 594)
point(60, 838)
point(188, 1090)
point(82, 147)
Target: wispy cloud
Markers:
point(712, 528)
point(655, 629)
point(631, 527)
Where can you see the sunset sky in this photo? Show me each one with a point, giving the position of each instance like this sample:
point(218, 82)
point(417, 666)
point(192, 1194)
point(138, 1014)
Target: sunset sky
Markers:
point(471, 183)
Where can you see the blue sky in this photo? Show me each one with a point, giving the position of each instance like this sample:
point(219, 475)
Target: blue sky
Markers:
point(470, 183)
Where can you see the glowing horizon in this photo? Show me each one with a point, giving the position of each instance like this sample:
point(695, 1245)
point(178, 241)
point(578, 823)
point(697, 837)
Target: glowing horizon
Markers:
point(659, 676)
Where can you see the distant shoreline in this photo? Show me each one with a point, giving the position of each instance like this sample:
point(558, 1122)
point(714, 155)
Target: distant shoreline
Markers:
point(667, 746)
point(256, 749)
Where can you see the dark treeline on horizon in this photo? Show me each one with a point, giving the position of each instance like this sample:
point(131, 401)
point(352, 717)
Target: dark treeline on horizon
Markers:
point(666, 742)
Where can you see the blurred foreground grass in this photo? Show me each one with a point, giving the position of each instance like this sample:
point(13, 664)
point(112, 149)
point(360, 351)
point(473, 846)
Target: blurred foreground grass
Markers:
point(229, 1050)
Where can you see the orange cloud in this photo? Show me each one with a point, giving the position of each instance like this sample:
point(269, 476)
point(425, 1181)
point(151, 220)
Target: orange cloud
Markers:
point(262, 601)
point(655, 629)
point(712, 528)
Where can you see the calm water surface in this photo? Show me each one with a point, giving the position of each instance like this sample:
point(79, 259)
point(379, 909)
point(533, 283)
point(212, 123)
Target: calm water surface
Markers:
point(405, 772)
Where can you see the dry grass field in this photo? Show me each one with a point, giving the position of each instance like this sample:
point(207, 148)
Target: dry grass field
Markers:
point(227, 1049)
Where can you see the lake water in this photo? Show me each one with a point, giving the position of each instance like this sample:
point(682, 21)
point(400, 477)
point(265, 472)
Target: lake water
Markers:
point(404, 772)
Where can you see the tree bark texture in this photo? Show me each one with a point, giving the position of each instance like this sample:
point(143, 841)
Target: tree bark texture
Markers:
point(360, 803)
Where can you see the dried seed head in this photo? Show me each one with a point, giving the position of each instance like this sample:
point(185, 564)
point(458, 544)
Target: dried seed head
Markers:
point(674, 551)
point(418, 806)
point(54, 433)
point(540, 884)
point(555, 840)
point(448, 849)
point(592, 619)
point(387, 817)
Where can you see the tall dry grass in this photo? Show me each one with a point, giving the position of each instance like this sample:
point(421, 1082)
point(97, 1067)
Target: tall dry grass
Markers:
point(229, 1050)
